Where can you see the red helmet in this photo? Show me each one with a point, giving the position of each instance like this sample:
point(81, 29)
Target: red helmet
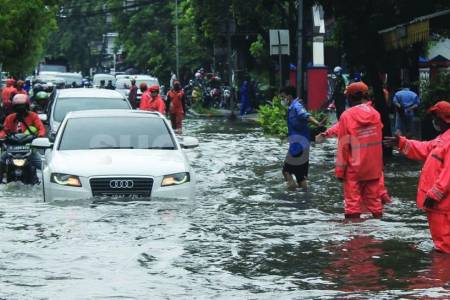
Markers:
point(154, 88)
point(10, 82)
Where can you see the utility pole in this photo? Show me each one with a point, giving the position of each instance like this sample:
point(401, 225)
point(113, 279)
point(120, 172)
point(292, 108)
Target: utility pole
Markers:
point(177, 40)
point(230, 67)
point(300, 49)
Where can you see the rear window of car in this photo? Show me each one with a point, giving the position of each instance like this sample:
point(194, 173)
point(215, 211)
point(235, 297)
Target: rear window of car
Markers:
point(65, 105)
point(116, 133)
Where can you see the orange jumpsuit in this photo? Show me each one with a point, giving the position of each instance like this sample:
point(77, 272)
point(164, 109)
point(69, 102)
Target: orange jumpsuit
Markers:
point(434, 183)
point(150, 103)
point(359, 160)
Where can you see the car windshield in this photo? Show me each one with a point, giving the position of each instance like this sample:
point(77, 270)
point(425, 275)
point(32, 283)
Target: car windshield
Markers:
point(65, 105)
point(116, 133)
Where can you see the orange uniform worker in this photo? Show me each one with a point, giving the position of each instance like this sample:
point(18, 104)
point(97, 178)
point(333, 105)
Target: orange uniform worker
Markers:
point(333, 132)
point(359, 161)
point(433, 193)
point(176, 106)
point(152, 101)
point(6, 95)
point(19, 88)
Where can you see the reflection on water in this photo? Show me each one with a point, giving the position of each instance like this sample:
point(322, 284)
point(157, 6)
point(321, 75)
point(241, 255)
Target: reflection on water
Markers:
point(244, 236)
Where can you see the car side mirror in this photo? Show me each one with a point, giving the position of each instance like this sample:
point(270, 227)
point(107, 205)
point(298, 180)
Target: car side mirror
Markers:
point(189, 142)
point(43, 118)
point(41, 143)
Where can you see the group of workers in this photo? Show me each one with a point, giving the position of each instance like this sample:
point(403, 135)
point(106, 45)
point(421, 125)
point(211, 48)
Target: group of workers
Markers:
point(359, 158)
point(19, 119)
point(174, 106)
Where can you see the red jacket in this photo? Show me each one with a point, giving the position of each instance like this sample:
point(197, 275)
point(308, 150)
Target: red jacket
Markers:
point(434, 179)
point(11, 124)
point(152, 104)
point(176, 102)
point(360, 153)
point(6, 95)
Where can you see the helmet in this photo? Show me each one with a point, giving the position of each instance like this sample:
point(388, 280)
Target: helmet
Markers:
point(41, 96)
point(198, 75)
point(20, 105)
point(154, 88)
point(20, 83)
point(19, 99)
point(337, 70)
point(10, 81)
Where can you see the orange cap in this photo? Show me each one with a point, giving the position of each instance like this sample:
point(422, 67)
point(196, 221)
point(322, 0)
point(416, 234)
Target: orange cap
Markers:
point(441, 110)
point(357, 87)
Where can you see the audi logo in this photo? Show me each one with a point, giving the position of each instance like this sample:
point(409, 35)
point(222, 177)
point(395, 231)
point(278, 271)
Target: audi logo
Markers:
point(121, 184)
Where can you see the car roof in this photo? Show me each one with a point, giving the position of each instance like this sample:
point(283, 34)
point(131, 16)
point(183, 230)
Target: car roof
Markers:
point(89, 93)
point(112, 113)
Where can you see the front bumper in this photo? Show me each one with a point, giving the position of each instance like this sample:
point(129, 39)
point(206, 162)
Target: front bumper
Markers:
point(56, 192)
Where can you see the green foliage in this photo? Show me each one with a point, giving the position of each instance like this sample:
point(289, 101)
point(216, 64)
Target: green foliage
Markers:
point(24, 30)
point(148, 37)
point(79, 38)
point(257, 48)
point(434, 91)
point(272, 118)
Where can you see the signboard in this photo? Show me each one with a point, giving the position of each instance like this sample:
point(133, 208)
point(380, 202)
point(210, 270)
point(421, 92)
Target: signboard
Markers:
point(279, 42)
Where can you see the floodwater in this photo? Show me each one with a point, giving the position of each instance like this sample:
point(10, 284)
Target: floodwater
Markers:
point(243, 237)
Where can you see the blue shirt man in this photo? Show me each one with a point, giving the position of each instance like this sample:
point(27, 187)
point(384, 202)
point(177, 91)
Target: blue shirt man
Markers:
point(297, 158)
point(406, 102)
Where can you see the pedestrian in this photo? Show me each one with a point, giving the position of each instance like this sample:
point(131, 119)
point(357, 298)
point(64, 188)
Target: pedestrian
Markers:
point(133, 93)
point(245, 99)
point(406, 103)
point(173, 77)
point(359, 160)
point(297, 159)
point(338, 92)
point(176, 106)
point(433, 194)
point(152, 101)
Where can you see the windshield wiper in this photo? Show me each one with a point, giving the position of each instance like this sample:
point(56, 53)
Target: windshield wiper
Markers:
point(110, 147)
point(161, 148)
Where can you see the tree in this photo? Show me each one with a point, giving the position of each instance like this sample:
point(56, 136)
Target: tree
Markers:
point(24, 31)
point(79, 35)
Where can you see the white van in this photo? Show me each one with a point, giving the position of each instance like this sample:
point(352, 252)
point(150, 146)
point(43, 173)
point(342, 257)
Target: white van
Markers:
point(105, 77)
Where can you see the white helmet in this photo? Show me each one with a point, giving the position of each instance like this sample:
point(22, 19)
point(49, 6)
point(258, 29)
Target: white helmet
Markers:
point(338, 70)
point(19, 99)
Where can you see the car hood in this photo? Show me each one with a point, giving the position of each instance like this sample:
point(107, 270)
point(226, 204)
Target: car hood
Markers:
point(123, 162)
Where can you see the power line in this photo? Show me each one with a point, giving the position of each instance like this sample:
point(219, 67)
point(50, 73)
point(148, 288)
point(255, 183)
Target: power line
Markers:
point(110, 10)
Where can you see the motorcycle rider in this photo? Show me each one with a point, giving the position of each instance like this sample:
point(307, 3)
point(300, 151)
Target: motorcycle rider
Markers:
point(176, 106)
point(20, 87)
point(22, 121)
point(152, 101)
point(6, 95)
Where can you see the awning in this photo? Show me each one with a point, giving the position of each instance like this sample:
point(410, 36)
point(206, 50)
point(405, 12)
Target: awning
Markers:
point(407, 34)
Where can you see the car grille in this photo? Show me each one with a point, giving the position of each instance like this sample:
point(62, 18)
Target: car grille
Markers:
point(122, 187)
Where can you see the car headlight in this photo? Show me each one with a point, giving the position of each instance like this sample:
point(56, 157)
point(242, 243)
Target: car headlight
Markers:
point(64, 179)
point(19, 162)
point(176, 179)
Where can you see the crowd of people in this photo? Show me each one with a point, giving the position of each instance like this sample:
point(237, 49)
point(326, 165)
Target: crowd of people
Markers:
point(359, 157)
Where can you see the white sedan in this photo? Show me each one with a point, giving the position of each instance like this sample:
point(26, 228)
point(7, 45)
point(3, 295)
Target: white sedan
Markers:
point(116, 154)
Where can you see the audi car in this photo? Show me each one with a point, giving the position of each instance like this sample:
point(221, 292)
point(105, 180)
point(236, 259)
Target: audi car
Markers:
point(116, 154)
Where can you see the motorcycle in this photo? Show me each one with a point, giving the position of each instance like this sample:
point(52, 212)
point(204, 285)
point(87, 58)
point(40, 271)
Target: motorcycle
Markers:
point(18, 158)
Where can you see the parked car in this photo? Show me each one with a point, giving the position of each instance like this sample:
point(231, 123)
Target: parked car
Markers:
point(116, 154)
point(64, 101)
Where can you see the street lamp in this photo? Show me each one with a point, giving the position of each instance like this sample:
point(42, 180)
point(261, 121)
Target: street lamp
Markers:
point(177, 40)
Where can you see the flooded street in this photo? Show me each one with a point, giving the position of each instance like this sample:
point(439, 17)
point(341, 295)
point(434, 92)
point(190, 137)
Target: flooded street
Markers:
point(244, 236)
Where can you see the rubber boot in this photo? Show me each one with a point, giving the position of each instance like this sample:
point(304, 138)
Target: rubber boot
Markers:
point(352, 216)
point(377, 215)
